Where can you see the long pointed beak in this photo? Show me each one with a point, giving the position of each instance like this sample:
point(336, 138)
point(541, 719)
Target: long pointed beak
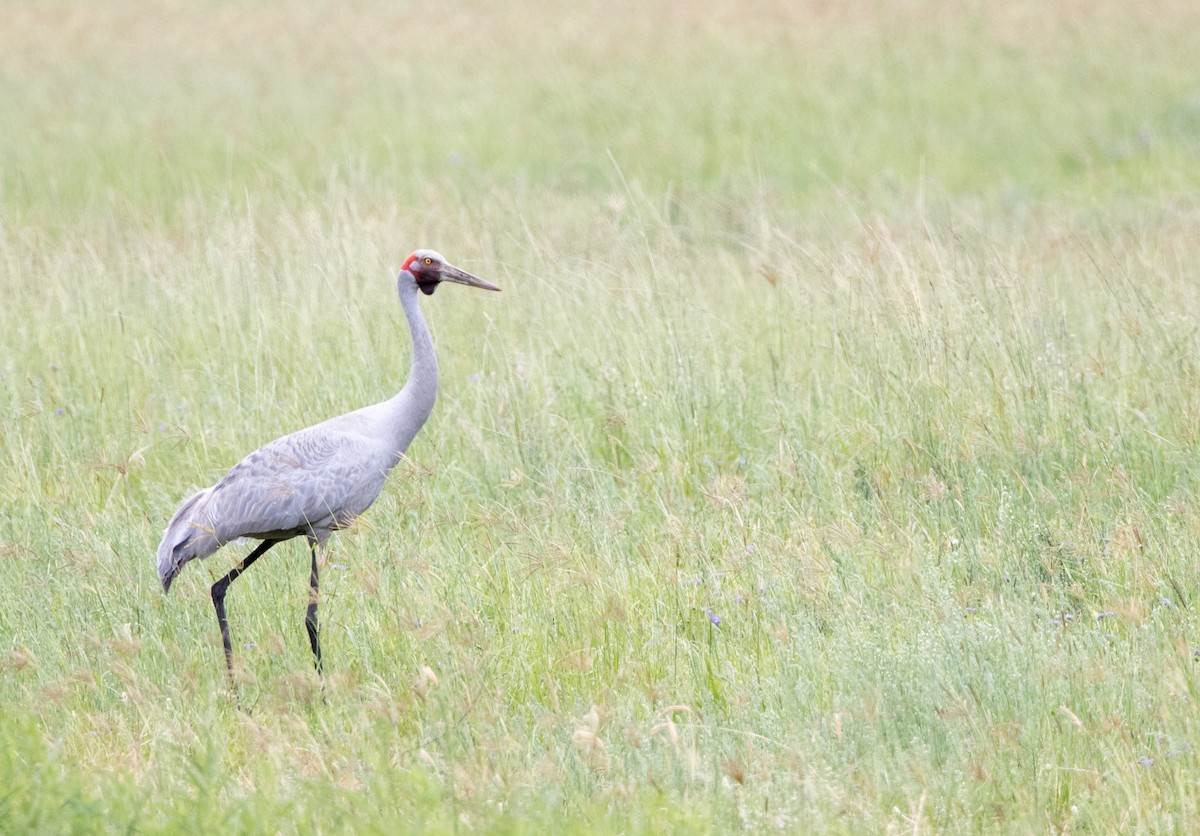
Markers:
point(450, 273)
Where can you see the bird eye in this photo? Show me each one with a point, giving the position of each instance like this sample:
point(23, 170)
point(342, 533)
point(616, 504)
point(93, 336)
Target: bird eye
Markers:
point(429, 261)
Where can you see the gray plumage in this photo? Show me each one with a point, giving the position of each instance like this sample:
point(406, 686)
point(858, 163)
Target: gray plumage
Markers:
point(311, 482)
point(314, 481)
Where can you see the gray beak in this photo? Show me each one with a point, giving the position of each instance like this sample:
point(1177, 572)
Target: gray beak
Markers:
point(450, 273)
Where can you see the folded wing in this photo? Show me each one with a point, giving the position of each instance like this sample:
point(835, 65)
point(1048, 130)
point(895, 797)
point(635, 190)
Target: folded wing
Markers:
point(309, 483)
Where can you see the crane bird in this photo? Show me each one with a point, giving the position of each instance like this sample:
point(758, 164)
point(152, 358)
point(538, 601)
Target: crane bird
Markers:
point(314, 481)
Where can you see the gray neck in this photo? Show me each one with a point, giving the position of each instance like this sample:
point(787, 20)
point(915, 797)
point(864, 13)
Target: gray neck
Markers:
point(412, 405)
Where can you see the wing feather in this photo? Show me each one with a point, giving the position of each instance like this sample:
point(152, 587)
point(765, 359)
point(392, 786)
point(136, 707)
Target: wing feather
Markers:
point(310, 482)
point(301, 481)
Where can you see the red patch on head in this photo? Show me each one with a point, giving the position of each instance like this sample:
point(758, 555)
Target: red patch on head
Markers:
point(408, 262)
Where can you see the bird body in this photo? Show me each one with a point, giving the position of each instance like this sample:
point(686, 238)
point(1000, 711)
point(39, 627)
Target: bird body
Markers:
point(311, 482)
point(314, 481)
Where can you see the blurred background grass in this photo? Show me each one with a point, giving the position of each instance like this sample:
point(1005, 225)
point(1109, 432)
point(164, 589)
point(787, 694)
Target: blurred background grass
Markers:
point(150, 105)
point(865, 330)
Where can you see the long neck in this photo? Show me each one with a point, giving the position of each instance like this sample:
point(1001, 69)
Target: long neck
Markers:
point(412, 404)
point(424, 370)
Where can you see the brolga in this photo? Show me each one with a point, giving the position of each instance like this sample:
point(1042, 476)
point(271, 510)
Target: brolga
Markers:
point(317, 480)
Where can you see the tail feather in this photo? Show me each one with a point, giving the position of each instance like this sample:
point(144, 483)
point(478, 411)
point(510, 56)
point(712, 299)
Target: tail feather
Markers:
point(186, 537)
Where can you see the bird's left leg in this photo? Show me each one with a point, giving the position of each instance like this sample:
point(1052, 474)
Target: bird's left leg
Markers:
point(310, 619)
point(218, 598)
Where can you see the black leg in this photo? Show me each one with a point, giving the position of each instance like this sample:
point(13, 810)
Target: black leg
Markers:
point(218, 596)
point(310, 620)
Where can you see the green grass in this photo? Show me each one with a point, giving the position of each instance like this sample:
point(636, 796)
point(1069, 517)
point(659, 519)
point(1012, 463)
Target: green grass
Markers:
point(870, 332)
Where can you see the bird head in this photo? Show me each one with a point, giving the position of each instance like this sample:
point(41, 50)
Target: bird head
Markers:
point(428, 269)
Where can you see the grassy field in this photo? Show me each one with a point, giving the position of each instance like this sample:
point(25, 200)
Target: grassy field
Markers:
point(829, 463)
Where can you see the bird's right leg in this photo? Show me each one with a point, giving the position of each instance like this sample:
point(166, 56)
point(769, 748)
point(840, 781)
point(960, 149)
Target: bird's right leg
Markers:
point(310, 617)
point(218, 596)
